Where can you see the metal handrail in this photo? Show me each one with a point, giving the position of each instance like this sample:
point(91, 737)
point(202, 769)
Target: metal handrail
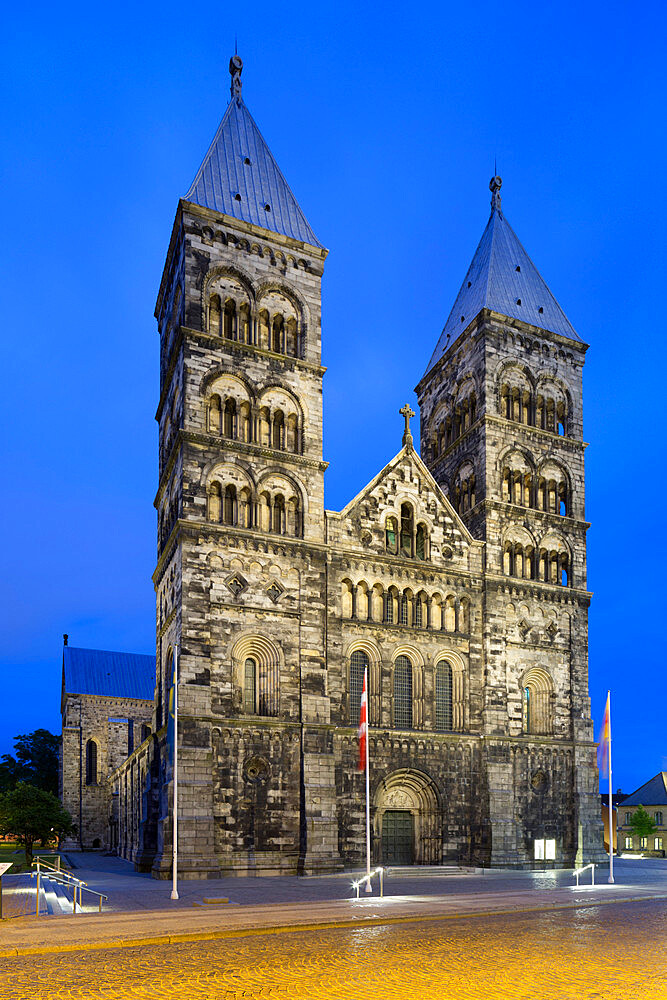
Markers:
point(368, 879)
point(579, 871)
point(66, 879)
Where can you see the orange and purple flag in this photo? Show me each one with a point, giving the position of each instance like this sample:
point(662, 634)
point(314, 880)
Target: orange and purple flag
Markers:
point(604, 740)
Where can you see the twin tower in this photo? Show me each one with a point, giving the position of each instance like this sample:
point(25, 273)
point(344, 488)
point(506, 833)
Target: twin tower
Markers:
point(458, 578)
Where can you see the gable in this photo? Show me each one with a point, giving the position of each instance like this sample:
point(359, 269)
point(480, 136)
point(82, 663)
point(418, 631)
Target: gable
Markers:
point(405, 483)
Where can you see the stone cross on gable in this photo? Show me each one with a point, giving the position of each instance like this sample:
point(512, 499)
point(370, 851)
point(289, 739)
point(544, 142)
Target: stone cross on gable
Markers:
point(407, 412)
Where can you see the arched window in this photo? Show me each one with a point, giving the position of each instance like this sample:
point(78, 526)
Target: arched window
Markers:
point(91, 762)
point(292, 346)
point(450, 614)
point(278, 519)
point(214, 412)
point(391, 535)
point(214, 502)
point(250, 686)
point(229, 505)
point(264, 427)
point(278, 340)
point(358, 663)
point(244, 323)
point(443, 696)
point(145, 731)
point(229, 328)
point(264, 329)
point(421, 542)
point(407, 529)
point(264, 512)
point(214, 311)
point(294, 517)
point(229, 419)
point(527, 710)
point(536, 703)
point(245, 508)
point(245, 422)
point(279, 430)
point(403, 610)
point(389, 608)
point(403, 693)
point(292, 442)
point(418, 612)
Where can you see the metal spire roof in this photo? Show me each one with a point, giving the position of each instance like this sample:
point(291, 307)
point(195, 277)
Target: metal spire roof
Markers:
point(503, 278)
point(240, 177)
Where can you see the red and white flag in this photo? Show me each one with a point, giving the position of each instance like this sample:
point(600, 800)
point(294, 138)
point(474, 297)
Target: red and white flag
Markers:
point(363, 727)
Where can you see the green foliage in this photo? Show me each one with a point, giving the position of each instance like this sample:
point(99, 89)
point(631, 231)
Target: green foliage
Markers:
point(30, 814)
point(35, 762)
point(641, 823)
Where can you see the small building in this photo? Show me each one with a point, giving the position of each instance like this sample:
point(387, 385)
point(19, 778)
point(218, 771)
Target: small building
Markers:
point(107, 707)
point(653, 797)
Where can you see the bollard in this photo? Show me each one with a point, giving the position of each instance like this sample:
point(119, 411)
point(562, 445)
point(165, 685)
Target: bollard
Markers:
point(38, 889)
point(381, 870)
point(592, 874)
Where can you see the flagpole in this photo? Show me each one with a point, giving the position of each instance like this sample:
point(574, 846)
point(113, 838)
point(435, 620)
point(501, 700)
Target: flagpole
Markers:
point(174, 864)
point(611, 837)
point(368, 793)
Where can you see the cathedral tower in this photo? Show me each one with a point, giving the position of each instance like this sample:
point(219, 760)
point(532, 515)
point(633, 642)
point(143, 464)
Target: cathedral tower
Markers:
point(240, 502)
point(501, 431)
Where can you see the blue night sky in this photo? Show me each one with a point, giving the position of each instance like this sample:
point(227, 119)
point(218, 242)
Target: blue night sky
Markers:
point(385, 120)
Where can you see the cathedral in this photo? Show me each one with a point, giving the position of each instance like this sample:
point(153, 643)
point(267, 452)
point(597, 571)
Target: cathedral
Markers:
point(457, 576)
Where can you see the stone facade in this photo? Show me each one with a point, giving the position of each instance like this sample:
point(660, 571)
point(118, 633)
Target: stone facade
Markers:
point(457, 579)
point(115, 726)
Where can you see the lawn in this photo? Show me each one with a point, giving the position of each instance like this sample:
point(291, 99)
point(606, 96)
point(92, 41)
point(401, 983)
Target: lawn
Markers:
point(10, 852)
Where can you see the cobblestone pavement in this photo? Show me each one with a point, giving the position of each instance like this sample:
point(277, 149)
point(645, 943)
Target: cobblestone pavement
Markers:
point(608, 952)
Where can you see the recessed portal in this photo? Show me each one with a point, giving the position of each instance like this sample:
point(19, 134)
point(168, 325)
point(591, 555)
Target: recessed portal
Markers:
point(398, 837)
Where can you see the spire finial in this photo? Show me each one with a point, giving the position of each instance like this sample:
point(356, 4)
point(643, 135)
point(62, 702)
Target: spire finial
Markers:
point(495, 186)
point(407, 412)
point(235, 67)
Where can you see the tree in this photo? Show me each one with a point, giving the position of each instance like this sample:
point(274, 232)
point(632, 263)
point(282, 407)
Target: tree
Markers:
point(29, 814)
point(35, 763)
point(641, 823)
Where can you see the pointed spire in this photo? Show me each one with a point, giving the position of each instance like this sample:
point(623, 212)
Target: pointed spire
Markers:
point(503, 279)
point(239, 176)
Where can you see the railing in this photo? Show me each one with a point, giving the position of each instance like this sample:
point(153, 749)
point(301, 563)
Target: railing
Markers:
point(67, 880)
point(368, 880)
point(579, 871)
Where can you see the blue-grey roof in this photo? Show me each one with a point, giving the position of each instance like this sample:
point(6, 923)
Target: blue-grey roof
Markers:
point(653, 793)
point(225, 174)
point(502, 277)
point(113, 675)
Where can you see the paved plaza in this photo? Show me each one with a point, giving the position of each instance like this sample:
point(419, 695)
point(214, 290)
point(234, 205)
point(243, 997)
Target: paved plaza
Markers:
point(614, 952)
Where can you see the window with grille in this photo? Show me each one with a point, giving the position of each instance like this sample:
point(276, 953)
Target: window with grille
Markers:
point(358, 663)
point(391, 533)
point(389, 609)
point(403, 693)
point(421, 542)
point(403, 610)
point(249, 687)
point(527, 720)
point(91, 762)
point(418, 613)
point(407, 527)
point(443, 696)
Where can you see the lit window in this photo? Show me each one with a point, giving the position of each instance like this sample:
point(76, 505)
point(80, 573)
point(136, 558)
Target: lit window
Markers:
point(550, 850)
point(643, 842)
point(657, 844)
point(628, 843)
point(539, 850)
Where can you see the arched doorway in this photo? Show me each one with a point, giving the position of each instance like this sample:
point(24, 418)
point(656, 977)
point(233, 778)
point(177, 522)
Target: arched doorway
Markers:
point(407, 820)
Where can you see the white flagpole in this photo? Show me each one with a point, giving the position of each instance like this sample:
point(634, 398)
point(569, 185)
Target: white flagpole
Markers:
point(174, 869)
point(368, 793)
point(611, 814)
